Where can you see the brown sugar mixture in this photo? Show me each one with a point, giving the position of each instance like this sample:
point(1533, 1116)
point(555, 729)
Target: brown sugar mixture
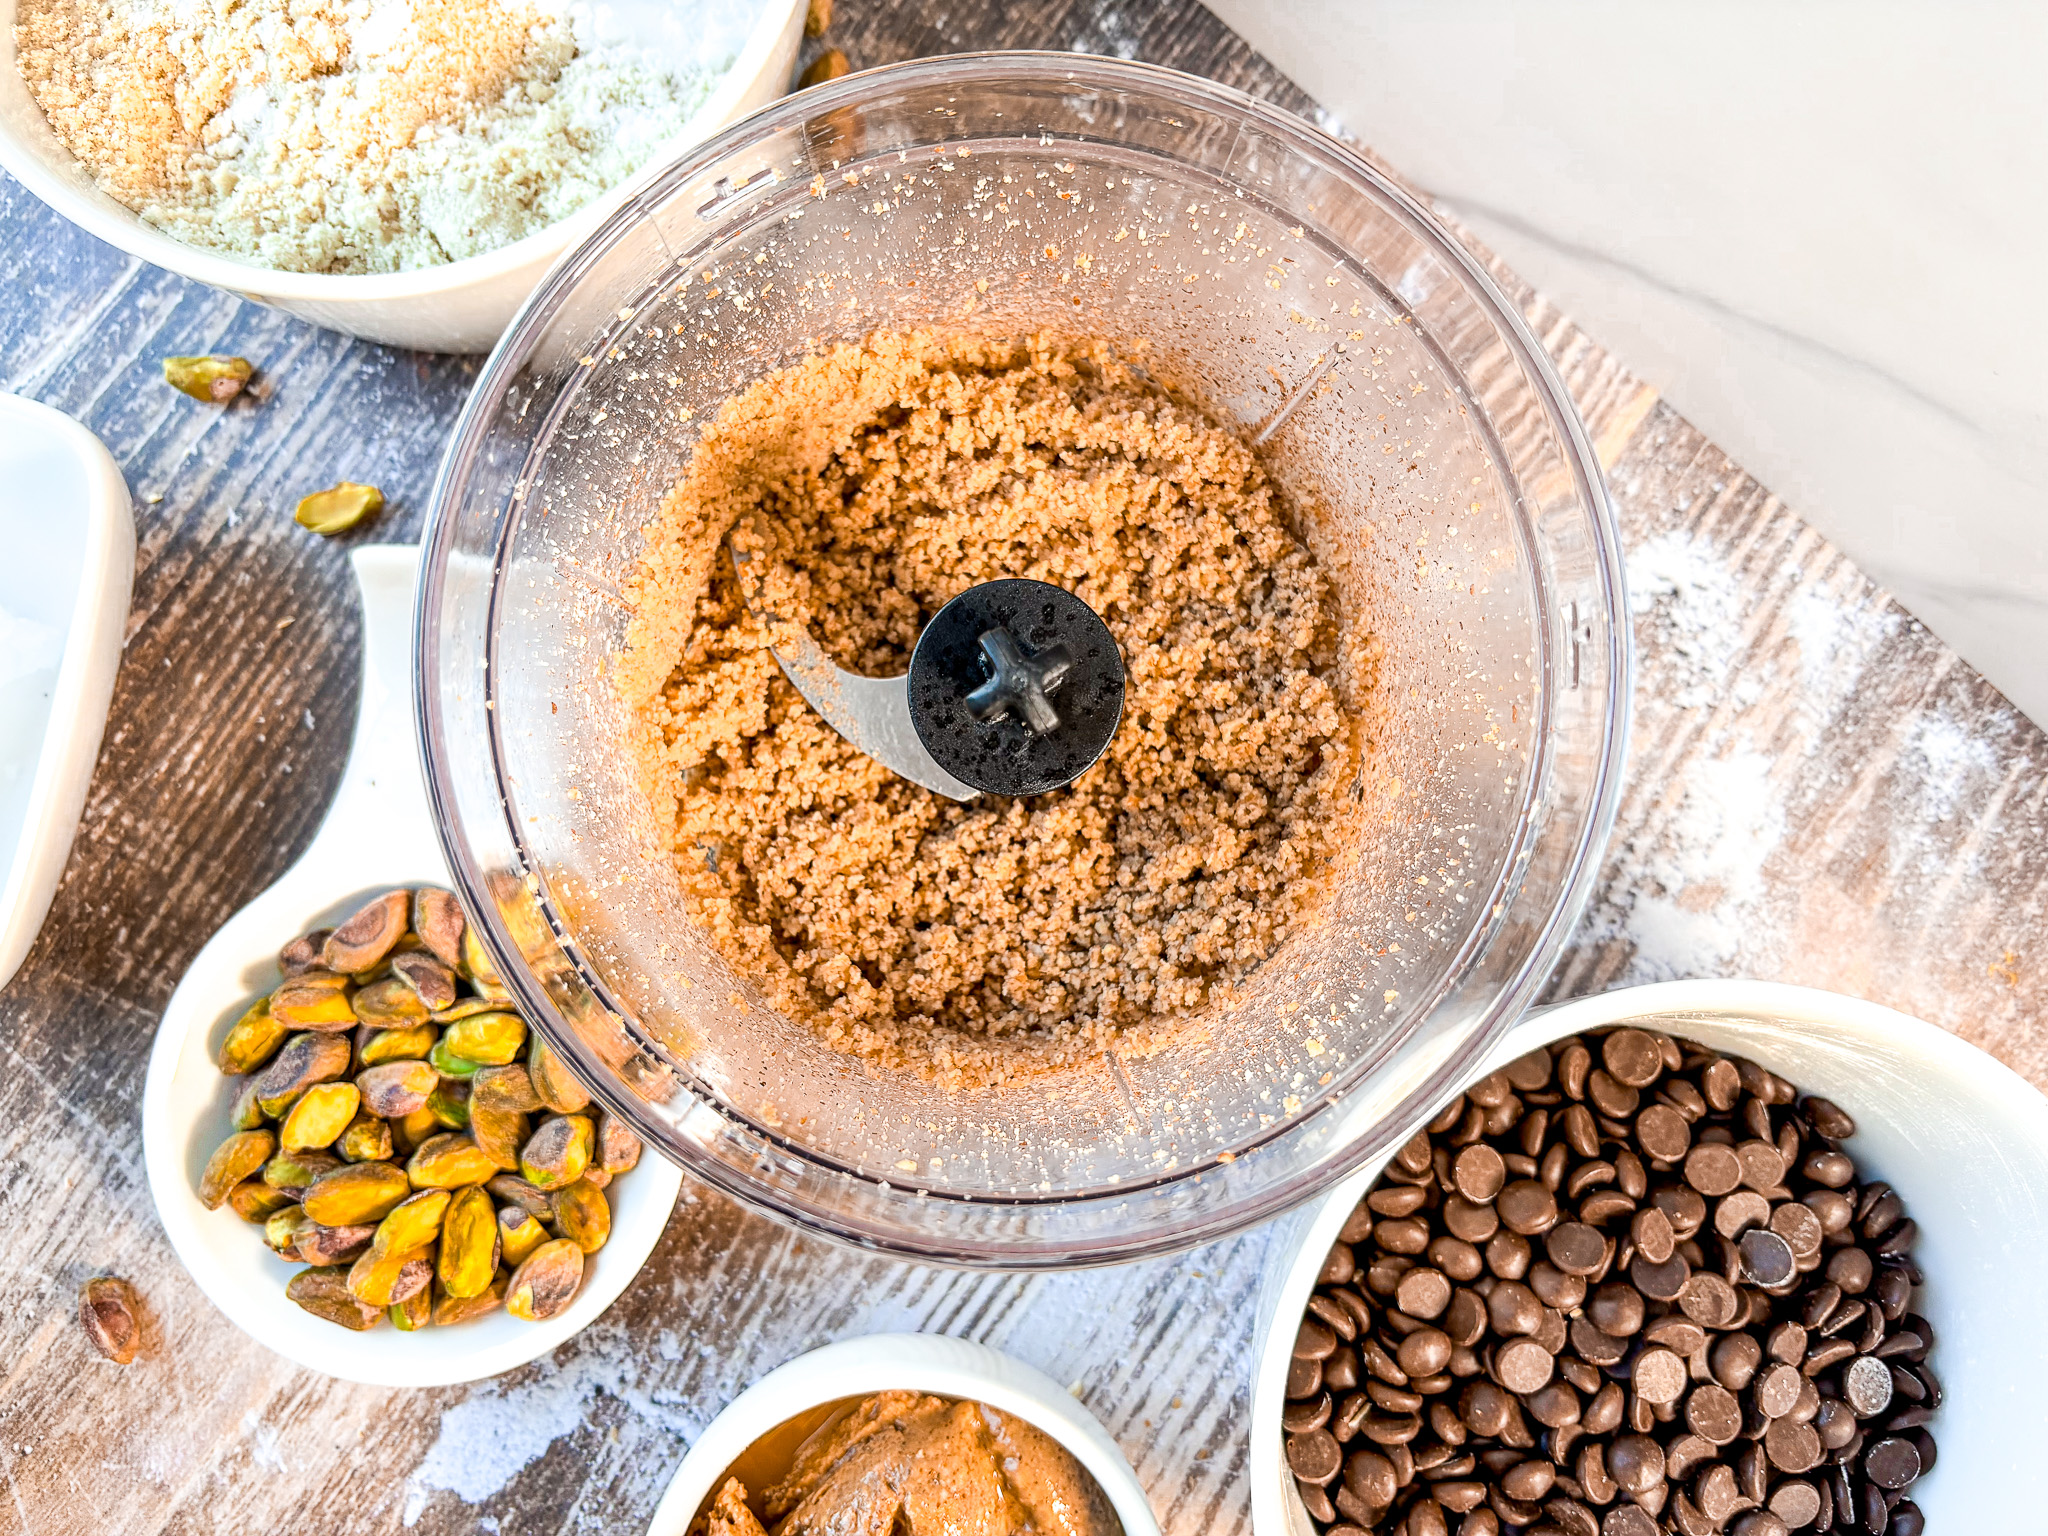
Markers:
point(981, 942)
point(902, 1461)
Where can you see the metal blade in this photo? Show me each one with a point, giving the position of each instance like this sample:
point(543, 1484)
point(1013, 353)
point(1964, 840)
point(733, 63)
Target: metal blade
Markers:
point(871, 712)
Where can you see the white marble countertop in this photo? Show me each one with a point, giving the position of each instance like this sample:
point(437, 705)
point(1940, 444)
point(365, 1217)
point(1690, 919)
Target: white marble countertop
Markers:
point(1817, 229)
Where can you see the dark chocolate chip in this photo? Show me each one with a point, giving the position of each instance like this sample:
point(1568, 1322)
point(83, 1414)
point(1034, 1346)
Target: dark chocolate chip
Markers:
point(1796, 1502)
point(1300, 1418)
point(1892, 1462)
point(1632, 1057)
point(1792, 1446)
point(1528, 1207)
point(1304, 1378)
point(1316, 1501)
point(1660, 1281)
point(1313, 1341)
point(1314, 1456)
point(1867, 1386)
point(1575, 1248)
point(1766, 1258)
point(1713, 1169)
point(1479, 1173)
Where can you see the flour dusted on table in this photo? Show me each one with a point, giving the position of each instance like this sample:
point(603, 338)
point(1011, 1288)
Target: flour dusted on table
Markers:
point(347, 136)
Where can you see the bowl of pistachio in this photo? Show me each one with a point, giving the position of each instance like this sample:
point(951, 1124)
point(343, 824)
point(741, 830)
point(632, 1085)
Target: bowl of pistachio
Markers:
point(359, 1150)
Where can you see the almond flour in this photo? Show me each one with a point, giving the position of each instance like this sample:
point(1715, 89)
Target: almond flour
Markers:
point(993, 940)
point(346, 136)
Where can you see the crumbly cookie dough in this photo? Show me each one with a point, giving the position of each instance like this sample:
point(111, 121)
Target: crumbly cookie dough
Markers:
point(977, 943)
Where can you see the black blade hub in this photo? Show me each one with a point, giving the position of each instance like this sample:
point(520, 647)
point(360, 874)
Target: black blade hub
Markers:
point(1016, 687)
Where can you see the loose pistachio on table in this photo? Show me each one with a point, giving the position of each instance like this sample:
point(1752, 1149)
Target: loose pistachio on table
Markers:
point(400, 1130)
point(106, 1310)
point(338, 509)
point(215, 380)
point(829, 65)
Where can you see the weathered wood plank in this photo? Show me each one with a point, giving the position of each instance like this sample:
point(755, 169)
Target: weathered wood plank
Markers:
point(1819, 792)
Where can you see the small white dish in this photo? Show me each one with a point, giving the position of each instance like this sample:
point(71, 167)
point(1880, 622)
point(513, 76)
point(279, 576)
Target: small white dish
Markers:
point(378, 835)
point(908, 1362)
point(459, 306)
point(1962, 1138)
point(70, 541)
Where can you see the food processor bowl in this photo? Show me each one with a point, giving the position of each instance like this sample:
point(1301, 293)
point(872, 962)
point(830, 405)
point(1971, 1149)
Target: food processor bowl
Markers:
point(1241, 259)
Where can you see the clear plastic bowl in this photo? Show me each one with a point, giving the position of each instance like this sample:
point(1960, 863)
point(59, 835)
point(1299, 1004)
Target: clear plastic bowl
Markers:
point(1436, 465)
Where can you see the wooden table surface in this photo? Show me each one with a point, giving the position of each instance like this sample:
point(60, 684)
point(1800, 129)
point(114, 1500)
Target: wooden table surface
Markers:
point(1819, 791)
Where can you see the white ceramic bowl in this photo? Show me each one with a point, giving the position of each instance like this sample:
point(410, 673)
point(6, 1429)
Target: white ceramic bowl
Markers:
point(1963, 1139)
point(377, 836)
point(910, 1362)
point(64, 589)
point(460, 306)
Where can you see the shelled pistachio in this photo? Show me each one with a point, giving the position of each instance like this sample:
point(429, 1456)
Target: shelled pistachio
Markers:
point(400, 1130)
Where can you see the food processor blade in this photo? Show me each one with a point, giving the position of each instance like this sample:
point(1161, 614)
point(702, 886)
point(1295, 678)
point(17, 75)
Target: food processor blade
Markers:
point(871, 712)
point(975, 713)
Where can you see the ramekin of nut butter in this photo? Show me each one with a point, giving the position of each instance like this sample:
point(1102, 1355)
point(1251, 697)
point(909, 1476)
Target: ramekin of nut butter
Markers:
point(906, 1431)
point(1695, 1257)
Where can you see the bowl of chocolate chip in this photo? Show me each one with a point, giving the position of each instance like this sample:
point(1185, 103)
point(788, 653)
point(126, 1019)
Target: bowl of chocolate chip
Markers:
point(1697, 1257)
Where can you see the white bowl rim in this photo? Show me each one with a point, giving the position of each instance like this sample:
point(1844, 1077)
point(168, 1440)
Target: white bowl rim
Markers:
point(126, 231)
point(61, 771)
point(935, 1363)
point(1670, 1000)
